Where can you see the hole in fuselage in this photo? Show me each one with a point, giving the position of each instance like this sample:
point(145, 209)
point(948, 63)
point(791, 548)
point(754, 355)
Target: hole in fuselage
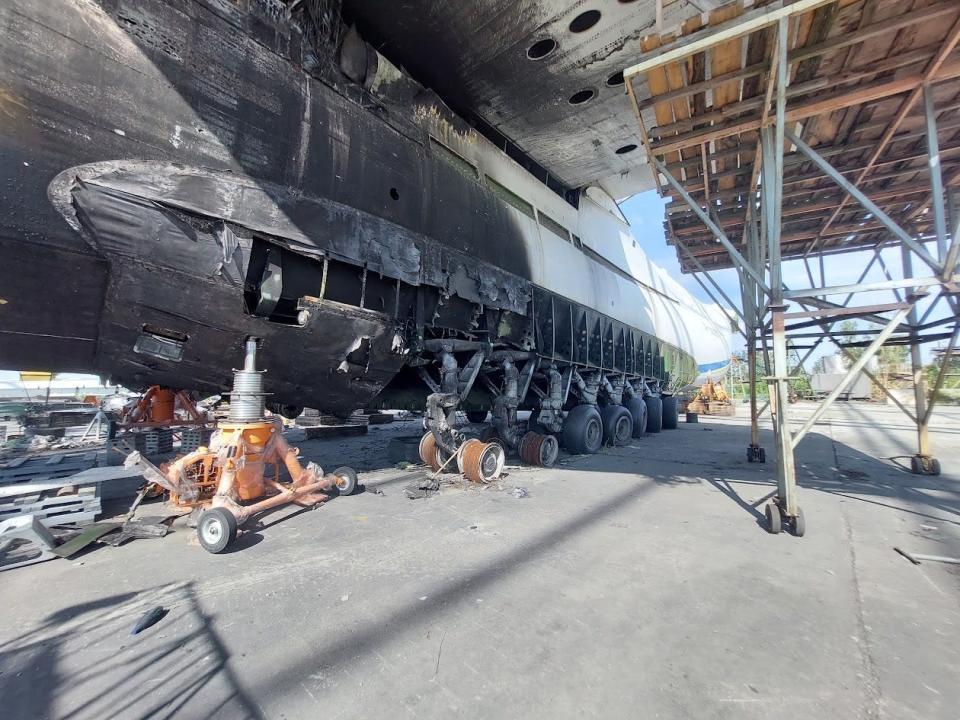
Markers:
point(541, 48)
point(615, 79)
point(579, 98)
point(585, 21)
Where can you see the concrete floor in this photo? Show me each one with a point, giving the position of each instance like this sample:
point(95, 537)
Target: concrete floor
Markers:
point(635, 583)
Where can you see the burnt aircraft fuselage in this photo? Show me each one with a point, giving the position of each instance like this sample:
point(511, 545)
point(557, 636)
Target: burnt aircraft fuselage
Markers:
point(174, 182)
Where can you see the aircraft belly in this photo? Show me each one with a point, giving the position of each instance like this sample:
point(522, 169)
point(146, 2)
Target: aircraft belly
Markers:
point(315, 365)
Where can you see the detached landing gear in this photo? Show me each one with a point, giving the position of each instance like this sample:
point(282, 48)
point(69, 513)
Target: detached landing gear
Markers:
point(778, 520)
point(755, 453)
point(924, 465)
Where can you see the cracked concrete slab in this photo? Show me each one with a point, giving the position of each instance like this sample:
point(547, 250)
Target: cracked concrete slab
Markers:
point(636, 582)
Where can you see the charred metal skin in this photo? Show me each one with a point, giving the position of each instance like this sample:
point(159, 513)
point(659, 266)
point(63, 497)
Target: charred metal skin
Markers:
point(186, 174)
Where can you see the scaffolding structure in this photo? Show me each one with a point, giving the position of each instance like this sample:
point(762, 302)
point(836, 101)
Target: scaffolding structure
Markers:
point(792, 131)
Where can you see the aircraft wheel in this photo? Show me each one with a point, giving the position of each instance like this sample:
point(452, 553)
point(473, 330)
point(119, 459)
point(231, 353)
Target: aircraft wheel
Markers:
point(583, 430)
point(617, 425)
point(654, 413)
point(482, 462)
point(669, 403)
point(638, 410)
point(346, 480)
point(216, 529)
point(540, 450)
point(429, 451)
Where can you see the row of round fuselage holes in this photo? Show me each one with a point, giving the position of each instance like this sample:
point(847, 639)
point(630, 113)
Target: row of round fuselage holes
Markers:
point(581, 23)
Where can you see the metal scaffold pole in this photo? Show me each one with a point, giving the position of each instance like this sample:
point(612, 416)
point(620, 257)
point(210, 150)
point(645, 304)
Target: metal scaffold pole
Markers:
point(768, 154)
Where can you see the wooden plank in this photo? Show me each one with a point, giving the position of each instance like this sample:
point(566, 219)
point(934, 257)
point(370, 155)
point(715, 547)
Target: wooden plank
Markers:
point(869, 93)
point(658, 84)
point(735, 28)
point(725, 57)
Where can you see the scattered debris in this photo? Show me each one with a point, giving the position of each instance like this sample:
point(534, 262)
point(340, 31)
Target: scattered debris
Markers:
point(520, 492)
point(916, 558)
point(150, 618)
point(425, 488)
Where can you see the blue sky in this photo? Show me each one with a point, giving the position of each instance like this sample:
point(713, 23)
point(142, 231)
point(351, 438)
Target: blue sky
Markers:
point(645, 214)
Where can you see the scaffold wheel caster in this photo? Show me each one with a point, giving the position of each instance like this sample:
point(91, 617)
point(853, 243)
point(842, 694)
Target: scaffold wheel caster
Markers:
point(482, 462)
point(346, 478)
point(772, 511)
point(798, 524)
point(924, 465)
point(429, 452)
point(540, 450)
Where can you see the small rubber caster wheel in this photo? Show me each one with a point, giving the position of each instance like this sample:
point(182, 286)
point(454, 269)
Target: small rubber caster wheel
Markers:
point(346, 480)
point(798, 524)
point(773, 518)
point(216, 529)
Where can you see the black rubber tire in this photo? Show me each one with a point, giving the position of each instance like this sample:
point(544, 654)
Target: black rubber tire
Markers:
point(915, 465)
point(583, 430)
point(762, 455)
point(476, 416)
point(773, 518)
point(346, 480)
point(216, 529)
point(750, 452)
point(654, 413)
point(934, 466)
point(798, 524)
point(638, 410)
point(616, 418)
point(669, 403)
